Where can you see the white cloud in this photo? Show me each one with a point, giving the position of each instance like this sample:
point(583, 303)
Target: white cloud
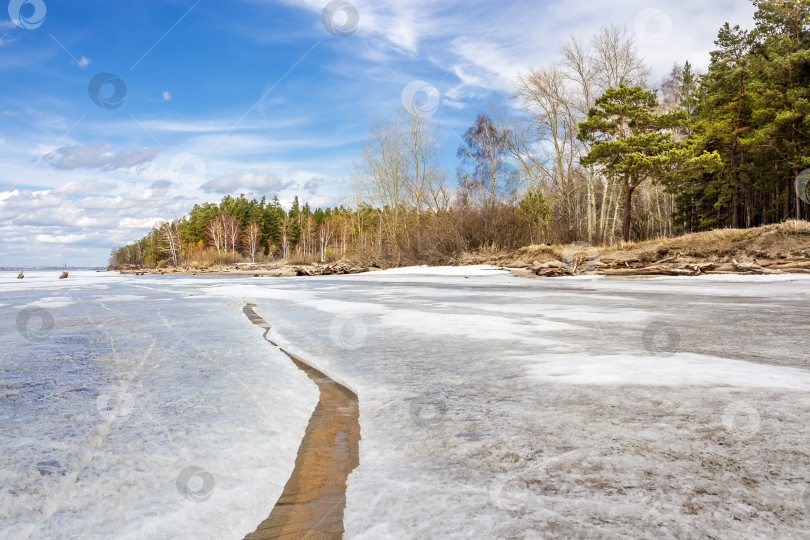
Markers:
point(99, 156)
point(486, 44)
point(60, 239)
point(167, 96)
point(246, 181)
point(134, 223)
point(85, 187)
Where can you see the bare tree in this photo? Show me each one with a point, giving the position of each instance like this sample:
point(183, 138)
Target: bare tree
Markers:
point(231, 230)
point(170, 238)
point(419, 154)
point(558, 97)
point(483, 153)
point(379, 176)
point(253, 239)
point(617, 61)
point(400, 169)
point(215, 232)
point(324, 236)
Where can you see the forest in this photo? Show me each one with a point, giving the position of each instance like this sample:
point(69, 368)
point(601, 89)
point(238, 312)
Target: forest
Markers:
point(589, 149)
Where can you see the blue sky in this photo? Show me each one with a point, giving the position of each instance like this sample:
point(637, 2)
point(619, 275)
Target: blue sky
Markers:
point(256, 97)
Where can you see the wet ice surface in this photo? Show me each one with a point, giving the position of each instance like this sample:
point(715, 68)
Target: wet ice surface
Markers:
point(499, 407)
point(491, 406)
point(133, 410)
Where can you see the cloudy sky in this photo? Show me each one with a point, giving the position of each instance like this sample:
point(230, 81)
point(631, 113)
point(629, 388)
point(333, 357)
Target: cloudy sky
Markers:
point(116, 114)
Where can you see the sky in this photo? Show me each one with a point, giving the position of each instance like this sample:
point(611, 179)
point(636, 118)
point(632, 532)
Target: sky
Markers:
point(114, 115)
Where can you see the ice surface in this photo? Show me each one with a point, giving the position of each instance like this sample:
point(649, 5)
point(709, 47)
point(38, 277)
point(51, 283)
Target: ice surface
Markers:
point(101, 418)
point(491, 406)
point(499, 407)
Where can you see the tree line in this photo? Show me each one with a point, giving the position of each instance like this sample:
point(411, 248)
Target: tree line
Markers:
point(586, 150)
point(241, 229)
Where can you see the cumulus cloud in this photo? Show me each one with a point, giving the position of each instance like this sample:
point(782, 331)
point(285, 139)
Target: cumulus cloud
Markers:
point(59, 239)
point(134, 223)
point(313, 185)
point(161, 184)
point(100, 156)
point(246, 181)
point(85, 187)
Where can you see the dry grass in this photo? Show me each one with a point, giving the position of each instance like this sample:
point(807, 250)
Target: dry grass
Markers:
point(789, 239)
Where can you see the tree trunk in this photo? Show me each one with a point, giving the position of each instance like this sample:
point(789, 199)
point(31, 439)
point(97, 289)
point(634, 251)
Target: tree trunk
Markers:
point(735, 202)
point(628, 205)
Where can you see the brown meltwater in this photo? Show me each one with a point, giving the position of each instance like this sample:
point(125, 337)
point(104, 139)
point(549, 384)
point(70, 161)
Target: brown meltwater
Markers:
point(314, 497)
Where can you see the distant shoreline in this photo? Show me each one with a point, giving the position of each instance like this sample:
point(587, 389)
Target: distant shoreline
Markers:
point(782, 248)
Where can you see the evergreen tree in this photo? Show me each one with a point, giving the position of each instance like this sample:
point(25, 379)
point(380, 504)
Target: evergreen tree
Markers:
point(633, 144)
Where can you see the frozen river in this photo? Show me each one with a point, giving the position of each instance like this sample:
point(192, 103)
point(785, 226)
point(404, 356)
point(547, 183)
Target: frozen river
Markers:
point(491, 406)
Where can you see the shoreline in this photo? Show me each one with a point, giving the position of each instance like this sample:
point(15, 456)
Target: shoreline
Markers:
point(256, 270)
point(549, 268)
point(314, 498)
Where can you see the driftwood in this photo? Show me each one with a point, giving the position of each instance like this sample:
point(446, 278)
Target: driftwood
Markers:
point(670, 267)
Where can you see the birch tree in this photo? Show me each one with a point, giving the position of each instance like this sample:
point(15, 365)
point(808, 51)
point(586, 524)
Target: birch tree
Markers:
point(253, 239)
point(170, 238)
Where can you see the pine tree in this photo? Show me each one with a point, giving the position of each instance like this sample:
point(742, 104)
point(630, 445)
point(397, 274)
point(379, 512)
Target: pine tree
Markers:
point(633, 144)
point(782, 91)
